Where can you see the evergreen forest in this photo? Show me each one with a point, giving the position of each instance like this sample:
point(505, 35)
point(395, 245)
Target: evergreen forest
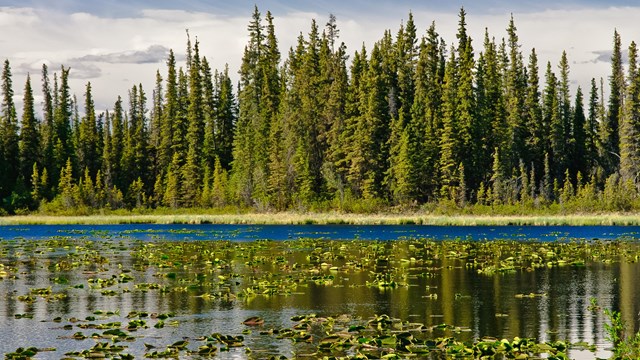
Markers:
point(413, 122)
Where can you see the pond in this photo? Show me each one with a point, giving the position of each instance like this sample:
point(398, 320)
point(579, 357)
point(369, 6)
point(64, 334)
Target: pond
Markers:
point(125, 291)
point(185, 232)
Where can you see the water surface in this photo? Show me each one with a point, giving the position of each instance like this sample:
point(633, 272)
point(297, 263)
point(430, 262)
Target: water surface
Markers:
point(335, 232)
point(213, 284)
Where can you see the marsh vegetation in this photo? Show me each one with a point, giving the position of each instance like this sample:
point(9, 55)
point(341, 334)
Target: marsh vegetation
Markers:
point(93, 293)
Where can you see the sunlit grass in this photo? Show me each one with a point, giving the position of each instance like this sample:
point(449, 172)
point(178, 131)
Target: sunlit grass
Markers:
point(330, 218)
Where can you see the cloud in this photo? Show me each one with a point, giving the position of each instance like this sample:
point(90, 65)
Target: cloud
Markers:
point(153, 54)
point(78, 70)
point(605, 56)
point(116, 46)
point(17, 17)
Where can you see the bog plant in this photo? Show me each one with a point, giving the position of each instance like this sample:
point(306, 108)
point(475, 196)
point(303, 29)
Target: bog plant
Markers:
point(626, 344)
point(222, 273)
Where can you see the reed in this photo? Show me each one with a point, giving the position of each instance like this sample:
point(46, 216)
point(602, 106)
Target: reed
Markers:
point(330, 218)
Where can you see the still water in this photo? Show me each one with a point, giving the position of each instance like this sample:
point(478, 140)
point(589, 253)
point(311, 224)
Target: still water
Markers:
point(58, 281)
point(336, 232)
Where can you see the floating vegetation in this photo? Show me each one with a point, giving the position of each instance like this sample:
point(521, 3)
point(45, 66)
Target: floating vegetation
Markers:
point(24, 354)
point(130, 298)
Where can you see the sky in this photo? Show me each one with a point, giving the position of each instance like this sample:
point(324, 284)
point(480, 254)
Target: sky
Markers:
point(115, 44)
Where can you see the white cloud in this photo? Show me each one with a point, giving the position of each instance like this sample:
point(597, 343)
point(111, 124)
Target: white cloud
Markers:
point(153, 54)
point(80, 70)
point(114, 53)
point(17, 17)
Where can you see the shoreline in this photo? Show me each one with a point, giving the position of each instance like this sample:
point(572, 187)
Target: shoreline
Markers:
point(291, 218)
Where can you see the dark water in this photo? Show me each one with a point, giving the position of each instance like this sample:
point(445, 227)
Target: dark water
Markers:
point(336, 232)
point(434, 290)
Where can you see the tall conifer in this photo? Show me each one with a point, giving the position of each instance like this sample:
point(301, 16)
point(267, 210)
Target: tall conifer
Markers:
point(630, 126)
point(9, 139)
point(610, 127)
point(30, 152)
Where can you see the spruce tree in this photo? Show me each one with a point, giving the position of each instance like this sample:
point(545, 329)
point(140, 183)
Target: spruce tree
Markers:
point(579, 163)
point(249, 121)
point(75, 129)
point(281, 137)
point(563, 156)
point(107, 154)
point(180, 123)
point(491, 130)
point(424, 128)
point(62, 118)
point(449, 139)
point(630, 126)
point(499, 195)
point(515, 93)
point(9, 138)
point(29, 136)
point(209, 110)
point(117, 145)
point(374, 128)
point(47, 129)
point(536, 143)
point(591, 131)
point(129, 172)
point(481, 131)
point(552, 118)
point(335, 117)
point(225, 120)
point(402, 188)
point(466, 109)
point(172, 194)
point(139, 139)
point(155, 126)
point(170, 111)
point(66, 186)
point(36, 190)
point(311, 146)
point(219, 185)
point(192, 175)
point(270, 97)
point(87, 150)
point(350, 157)
point(610, 127)
point(405, 56)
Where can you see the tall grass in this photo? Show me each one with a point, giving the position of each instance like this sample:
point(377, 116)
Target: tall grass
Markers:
point(329, 218)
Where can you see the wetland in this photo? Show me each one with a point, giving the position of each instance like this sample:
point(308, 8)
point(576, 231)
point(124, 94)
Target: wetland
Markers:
point(314, 291)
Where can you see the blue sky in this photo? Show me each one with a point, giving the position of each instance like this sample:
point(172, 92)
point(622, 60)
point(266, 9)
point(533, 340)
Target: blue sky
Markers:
point(115, 43)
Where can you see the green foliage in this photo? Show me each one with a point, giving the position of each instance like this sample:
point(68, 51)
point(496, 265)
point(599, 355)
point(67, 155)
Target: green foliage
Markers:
point(416, 123)
point(630, 126)
point(192, 177)
point(62, 114)
point(87, 147)
point(610, 126)
point(171, 196)
point(618, 194)
point(625, 345)
point(29, 136)
point(65, 186)
point(219, 190)
point(9, 140)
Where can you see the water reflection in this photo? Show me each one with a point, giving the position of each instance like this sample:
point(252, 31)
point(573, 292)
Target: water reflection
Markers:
point(242, 232)
point(202, 283)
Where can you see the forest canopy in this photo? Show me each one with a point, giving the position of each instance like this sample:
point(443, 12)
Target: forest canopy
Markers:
point(415, 121)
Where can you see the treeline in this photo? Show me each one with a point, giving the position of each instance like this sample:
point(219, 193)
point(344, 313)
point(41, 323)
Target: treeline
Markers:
point(413, 121)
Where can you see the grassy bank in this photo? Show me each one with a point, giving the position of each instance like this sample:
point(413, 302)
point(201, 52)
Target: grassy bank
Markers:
point(329, 218)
